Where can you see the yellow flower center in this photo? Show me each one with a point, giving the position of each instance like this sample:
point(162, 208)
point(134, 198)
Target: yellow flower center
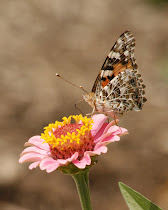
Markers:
point(66, 138)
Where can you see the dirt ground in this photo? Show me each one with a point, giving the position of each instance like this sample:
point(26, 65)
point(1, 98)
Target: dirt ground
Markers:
point(72, 38)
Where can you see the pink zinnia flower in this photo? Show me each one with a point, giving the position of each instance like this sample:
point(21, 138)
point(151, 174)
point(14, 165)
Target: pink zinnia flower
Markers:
point(63, 143)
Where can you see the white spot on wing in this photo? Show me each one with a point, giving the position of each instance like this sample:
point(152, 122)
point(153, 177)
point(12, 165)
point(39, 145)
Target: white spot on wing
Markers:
point(119, 41)
point(106, 87)
point(106, 73)
point(101, 75)
point(110, 54)
point(126, 53)
point(117, 56)
point(113, 54)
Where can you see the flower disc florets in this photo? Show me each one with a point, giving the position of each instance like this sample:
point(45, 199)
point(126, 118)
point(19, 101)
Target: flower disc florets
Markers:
point(65, 138)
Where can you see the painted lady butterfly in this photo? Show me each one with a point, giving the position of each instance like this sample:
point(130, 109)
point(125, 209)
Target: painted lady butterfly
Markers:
point(118, 87)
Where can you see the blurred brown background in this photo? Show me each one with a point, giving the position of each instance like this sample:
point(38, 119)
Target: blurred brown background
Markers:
point(40, 38)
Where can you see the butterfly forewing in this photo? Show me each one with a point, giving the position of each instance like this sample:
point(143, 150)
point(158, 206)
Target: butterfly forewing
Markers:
point(119, 86)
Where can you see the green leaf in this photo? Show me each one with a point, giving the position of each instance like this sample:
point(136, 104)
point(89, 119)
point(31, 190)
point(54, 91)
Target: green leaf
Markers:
point(135, 200)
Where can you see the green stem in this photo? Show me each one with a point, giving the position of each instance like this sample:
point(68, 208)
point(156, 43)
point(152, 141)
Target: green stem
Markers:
point(82, 184)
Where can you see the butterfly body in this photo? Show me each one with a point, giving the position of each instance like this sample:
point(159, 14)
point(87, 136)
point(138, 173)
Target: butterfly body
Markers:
point(118, 87)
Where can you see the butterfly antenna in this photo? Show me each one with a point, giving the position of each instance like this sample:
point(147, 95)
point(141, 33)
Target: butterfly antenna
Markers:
point(71, 83)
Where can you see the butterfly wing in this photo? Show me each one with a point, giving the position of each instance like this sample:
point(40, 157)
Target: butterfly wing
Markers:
point(124, 93)
point(119, 85)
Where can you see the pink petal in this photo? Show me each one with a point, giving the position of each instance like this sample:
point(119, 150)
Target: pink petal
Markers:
point(105, 136)
point(35, 150)
point(112, 134)
point(110, 139)
point(121, 131)
point(31, 157)
point(98, 135)
point(52, 168)
point(100, 149)
point(115, 130)
point(97, 150)
point(86, 160)
point(38, 142)
point(49, 164)
point(110, 124)
point(65, 161)
point(34, 165)
point(98, 120)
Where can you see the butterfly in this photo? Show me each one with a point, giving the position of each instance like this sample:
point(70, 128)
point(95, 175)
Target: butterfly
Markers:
point(118, 87)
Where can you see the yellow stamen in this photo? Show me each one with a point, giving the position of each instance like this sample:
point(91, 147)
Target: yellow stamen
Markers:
point(50, 131)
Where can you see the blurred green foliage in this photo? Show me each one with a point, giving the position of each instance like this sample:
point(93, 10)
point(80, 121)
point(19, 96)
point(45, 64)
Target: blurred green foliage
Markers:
point(158, 2)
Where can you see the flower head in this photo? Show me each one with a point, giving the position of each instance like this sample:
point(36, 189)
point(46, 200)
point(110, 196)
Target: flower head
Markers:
point(65, 142)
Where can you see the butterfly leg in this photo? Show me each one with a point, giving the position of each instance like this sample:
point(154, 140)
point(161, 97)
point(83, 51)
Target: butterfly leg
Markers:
point(77, 107)
point(108, 117)
point(115, 119)
point(114, 116)
point(91, 113)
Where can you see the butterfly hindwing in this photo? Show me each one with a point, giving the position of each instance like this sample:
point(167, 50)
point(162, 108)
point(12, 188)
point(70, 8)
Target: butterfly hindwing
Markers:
point(125, 92)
